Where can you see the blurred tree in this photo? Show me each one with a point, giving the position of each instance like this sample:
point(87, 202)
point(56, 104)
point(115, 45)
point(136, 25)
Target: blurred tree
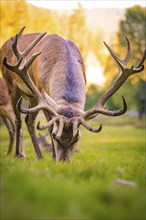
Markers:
point(14, 15)
point(92, 96)
point(20, 15)
point(47, 21)
point(95, 43)
point(84, 35)
point(77, 29)
point(141, 98)
point(133, 26)
point(6, 21)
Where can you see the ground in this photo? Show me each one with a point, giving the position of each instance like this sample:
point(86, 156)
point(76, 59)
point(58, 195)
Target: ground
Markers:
point(90, 187)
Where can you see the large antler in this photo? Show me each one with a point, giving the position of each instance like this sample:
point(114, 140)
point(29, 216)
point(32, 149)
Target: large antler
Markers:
point(124, 73)
point(21, 69)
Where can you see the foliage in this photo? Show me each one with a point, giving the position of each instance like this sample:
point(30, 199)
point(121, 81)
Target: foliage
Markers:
point(92, 96)
point(71, 25)
point(141, 98)
point(128, 92)
point(77, 28)
point(87, 188)
point(74, 25)
point(10, 11)
point(133, 27)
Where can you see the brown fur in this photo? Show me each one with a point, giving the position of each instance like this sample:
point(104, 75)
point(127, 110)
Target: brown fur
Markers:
point(57, 72)
point(7, 114)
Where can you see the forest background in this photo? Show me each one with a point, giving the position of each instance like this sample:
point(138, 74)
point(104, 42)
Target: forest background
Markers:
point(88, 28)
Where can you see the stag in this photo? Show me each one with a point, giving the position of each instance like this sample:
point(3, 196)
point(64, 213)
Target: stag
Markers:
point(50, 71)
point(7, 114)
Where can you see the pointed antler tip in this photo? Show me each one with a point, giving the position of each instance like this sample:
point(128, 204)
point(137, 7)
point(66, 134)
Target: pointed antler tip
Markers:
point(19, 104)
point(124, 100)
point(22, 29)
point(104, 43)
point(128, 42)
point(100, 126)
point(4, 60)
point(124, 104)
point(38, 125)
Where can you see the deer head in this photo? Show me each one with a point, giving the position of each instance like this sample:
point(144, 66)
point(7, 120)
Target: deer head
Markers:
point(66, 118)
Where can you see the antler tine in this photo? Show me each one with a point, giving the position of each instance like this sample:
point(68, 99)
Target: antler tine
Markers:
point(27, 51)
point(82, 121)
point(60, 129)
point(124, 73)
point(17, 52)
point(49, 124)
point(12, 67)
point(142, 60)
point(116, 58)
point(100, 110)
point(75, 126)
point(30, 60)
point(20, 32)
point(15, 48)
point(127, 58)
point(122, 63)
point(15, 67)
point(39, 107)
point(90, 128)
point(24, 74)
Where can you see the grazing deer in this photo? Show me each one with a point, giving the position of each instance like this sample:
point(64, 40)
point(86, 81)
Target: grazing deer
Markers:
point(49, 70)
point(7, 114)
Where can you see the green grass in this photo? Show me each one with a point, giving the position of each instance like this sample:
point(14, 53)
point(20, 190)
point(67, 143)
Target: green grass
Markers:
point(86, 188)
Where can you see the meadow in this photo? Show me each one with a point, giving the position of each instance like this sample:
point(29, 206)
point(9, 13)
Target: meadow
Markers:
point(106, 181)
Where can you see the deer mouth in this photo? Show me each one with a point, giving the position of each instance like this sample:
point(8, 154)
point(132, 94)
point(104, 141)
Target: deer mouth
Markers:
point(63, 155)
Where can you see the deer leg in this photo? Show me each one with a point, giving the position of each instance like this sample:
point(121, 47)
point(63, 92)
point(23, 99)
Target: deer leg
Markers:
point(19, 136)
point(30, 122)
point(11, 129)
point(18, 123)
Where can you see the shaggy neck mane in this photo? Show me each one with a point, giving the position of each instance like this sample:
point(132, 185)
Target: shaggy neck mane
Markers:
point(71, 93)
